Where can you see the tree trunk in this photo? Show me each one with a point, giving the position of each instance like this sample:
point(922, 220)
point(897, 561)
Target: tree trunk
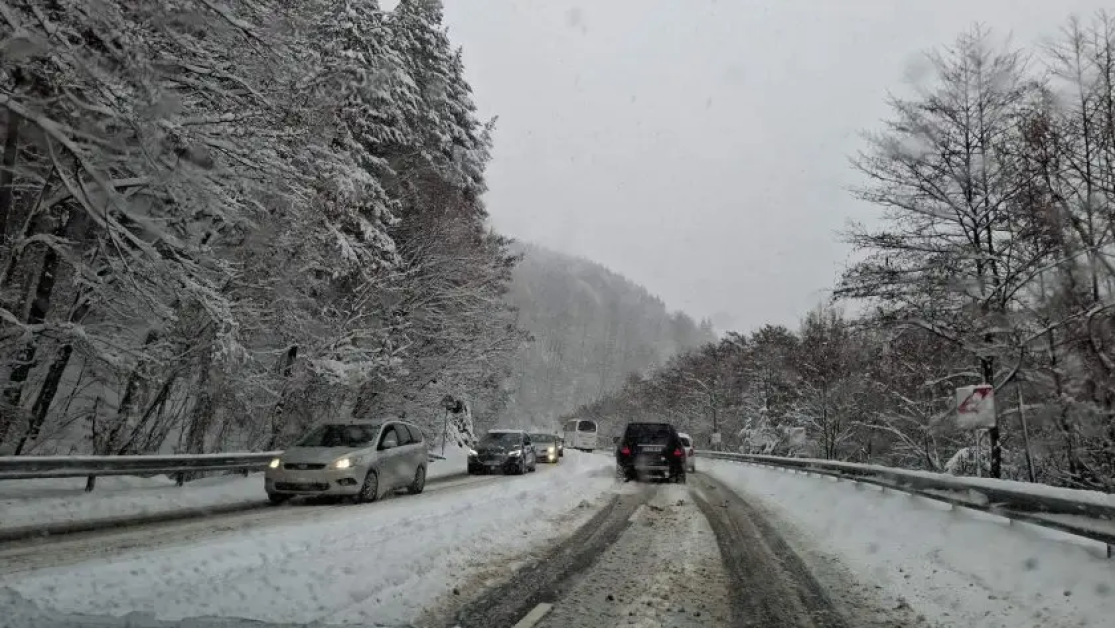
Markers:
point(25, 360)
point(201, 416)
point(987, 370)
point(280, 406)
point(7, 173)
point(46, 396)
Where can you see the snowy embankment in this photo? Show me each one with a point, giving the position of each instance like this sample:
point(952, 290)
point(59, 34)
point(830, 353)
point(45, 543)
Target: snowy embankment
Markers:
point(56, 502)
point(953, 567)
point(376, 564)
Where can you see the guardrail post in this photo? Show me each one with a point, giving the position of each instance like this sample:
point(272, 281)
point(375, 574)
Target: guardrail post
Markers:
point(90, 482)
point(180, 478)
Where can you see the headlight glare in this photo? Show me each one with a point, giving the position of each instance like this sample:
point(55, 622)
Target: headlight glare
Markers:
point(343, 463)
point(473, 453)
point(516, 452)
point(274, 464)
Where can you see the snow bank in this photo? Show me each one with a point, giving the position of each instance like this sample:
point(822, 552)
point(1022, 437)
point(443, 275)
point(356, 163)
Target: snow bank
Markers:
point(63, 500)
point(56, 501)
point(380, 564)
point(966, 482)
point(954, 568)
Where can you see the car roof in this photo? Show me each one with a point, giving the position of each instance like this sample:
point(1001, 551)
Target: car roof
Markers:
point(360, 423)
point(502, 431)
point(683, 434)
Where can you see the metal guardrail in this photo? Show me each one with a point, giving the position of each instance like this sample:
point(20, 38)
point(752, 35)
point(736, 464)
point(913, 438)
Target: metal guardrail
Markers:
point(90, 467)
point(1021, 505)
point(178, 465)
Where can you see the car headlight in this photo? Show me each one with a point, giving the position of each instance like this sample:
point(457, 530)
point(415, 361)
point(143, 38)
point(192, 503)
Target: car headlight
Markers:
point(274, 464)
point(473, 453)
point(550, 450)
point(517, 452)
point(343, 463)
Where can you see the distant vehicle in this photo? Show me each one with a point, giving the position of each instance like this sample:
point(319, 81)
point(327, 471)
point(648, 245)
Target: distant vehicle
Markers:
point(546, 446)
point(561, 447)
point(580, 434)
point(505, 451)
point(360, 460)
point(650, 450)
point(690, 452)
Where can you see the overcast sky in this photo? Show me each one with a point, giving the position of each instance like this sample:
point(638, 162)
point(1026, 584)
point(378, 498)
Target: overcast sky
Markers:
point(700, 147)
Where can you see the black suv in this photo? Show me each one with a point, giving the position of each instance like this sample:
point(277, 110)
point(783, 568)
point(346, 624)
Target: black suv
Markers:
point(650, 450)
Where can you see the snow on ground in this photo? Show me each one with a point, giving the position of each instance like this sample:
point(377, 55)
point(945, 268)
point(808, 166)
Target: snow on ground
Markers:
point(952, 567)
point(380, 563)
point(963, 483)
point(62, 500)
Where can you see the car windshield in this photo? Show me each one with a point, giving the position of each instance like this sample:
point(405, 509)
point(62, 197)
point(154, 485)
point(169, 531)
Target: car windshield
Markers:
point(340, 436)
point(654, 433)
point(502, 439)
point(291, 253)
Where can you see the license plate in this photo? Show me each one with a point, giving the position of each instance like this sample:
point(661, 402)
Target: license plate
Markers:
point(494, 464)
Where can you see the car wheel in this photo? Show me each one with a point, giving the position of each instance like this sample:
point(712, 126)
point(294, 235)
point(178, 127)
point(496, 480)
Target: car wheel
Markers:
point(278, 498)
point(369, 490)
point(419, 483)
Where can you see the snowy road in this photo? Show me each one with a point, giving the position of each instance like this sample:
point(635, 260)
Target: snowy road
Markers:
point(694, 556)
point(379, 564)
point(571, 546)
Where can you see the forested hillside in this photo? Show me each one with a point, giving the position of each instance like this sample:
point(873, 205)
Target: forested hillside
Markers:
point(995, 183)
point(220, 222)
point(591, 328)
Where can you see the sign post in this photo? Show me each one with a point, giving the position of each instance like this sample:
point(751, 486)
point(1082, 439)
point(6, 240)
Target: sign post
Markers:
point(975, 407)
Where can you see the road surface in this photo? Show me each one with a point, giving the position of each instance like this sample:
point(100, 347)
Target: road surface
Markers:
point(635, 555)
point(682, 556)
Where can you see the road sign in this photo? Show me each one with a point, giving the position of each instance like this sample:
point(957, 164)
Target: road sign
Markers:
point(717, 438)
point(975, 406)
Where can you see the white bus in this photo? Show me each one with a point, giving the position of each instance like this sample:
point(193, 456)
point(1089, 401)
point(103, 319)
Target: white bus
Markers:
point(580, 434)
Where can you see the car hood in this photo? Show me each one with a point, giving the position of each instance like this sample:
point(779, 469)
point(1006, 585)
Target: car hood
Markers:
point(316, 455)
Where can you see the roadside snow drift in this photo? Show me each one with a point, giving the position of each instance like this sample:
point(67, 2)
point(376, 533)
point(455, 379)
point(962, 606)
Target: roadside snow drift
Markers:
point(47, 502)
point(378, 564)
point(951, 566)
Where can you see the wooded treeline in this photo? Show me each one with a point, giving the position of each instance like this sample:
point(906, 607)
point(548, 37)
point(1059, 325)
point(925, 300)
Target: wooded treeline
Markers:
point(223, 221)
point(991, 262)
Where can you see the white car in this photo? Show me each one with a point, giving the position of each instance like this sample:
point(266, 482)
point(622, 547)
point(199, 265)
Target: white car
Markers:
point(361, 460)
point(690, 452)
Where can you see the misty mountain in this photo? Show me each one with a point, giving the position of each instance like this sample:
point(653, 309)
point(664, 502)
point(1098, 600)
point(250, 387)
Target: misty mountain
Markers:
point(590, 329)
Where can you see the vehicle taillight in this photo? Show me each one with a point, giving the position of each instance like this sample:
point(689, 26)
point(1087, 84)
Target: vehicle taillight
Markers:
point(678, 453)
point(626, 451)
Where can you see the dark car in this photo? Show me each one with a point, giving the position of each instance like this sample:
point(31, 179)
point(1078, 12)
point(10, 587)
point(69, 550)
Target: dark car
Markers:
point(546, 446)
point(503, 451)
point(650, 451)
